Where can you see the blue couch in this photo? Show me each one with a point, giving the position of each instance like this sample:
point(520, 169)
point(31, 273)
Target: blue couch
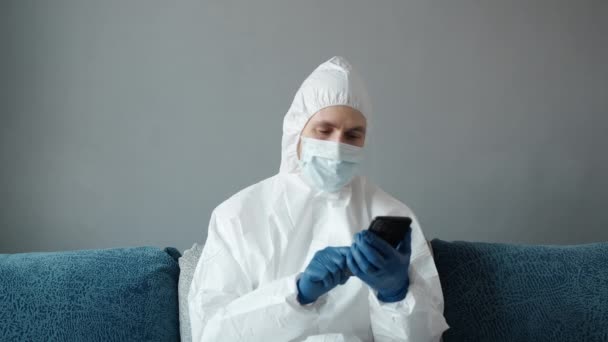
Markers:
point(121, 294)
point(493, 292)
point(506, 292)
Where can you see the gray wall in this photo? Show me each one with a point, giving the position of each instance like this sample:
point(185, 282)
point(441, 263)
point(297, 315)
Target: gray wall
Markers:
point(127, 122)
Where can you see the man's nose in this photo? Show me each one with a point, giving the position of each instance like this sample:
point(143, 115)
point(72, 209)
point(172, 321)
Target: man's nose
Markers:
point(338, 137)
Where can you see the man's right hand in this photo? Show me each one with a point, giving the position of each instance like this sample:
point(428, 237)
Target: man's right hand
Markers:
point(326, 270)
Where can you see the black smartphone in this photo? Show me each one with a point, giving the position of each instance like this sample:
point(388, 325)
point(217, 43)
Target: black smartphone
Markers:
point(391, 229)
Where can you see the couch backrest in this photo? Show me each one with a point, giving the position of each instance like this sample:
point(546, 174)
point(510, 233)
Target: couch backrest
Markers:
point(508, 292)
point(121, 294)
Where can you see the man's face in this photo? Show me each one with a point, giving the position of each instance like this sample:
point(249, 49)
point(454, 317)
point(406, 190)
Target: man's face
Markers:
point(336, 123)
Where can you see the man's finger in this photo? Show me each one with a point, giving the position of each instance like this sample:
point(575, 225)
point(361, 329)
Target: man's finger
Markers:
point(352, 265)
point(362, 262)
point(405, 246)
point(334, 274)
point(370, 253)
point(383, 247)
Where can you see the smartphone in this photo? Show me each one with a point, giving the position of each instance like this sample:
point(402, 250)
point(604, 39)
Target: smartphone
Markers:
point(391, 229)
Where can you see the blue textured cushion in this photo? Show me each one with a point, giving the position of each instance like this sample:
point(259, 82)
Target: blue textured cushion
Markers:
point(503, 292)
point(122, 294)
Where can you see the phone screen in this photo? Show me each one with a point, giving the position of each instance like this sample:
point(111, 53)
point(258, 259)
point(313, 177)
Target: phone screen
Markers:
point(391, 229)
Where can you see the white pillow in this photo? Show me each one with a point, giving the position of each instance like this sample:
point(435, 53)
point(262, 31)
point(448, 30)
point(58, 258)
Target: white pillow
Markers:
point(187, 264)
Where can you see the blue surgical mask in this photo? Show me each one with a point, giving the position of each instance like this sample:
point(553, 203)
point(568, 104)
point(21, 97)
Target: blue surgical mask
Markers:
point(329, 165)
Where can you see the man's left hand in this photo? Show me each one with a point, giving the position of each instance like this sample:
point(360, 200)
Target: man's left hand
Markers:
point(379, 265)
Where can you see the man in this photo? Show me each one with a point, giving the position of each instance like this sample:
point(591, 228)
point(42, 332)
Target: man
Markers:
point(289, 258)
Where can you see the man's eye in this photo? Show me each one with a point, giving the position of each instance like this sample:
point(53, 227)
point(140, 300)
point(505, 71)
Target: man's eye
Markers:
point(324, 131)
point(352, 136)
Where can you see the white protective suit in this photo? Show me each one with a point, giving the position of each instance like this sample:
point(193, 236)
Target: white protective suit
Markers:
point(259, 240)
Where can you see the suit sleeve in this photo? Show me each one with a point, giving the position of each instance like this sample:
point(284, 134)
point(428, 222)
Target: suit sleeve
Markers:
point(225, 305)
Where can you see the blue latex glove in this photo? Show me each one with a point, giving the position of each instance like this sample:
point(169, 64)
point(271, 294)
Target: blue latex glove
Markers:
point(326, 270)
point(379, 265)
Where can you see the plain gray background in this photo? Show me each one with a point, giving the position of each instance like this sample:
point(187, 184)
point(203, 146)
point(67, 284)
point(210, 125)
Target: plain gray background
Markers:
point(126, 122)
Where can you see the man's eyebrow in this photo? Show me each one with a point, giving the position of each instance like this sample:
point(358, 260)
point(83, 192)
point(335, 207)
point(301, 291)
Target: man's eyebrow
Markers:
point(331, 124)
point(325, 123)
point(360, 129)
